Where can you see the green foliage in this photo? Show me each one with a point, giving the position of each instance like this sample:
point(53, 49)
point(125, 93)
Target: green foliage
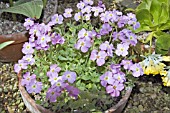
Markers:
point(4, 44)
point(154, 16)
point(29, 8)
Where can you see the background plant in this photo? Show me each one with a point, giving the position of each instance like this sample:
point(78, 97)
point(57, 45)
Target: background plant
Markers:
point(154, 17)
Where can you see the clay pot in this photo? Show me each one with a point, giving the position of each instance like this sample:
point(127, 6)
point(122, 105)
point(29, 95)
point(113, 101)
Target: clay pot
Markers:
point(13, 52)
point(35, 108)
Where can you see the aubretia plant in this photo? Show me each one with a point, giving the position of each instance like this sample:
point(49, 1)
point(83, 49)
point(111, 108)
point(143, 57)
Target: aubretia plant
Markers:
point(83, 64)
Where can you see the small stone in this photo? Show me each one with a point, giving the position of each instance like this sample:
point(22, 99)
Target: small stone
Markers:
point(140, 107)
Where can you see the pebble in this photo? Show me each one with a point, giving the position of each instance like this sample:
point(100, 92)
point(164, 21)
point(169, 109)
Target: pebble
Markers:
point(140, 107)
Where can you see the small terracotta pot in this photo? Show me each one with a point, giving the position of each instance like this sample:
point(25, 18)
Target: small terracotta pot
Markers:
point(13, 52)
point(35, 108)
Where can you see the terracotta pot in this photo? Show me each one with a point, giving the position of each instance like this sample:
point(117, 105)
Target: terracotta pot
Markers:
point(35, 108)
point(13, 52)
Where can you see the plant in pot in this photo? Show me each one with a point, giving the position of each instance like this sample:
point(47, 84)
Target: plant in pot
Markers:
point(79, 64)
point(28, 8)
point(154, 18)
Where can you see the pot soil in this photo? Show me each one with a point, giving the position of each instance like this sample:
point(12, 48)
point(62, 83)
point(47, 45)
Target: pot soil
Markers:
point(35, 108)
point(13, 52)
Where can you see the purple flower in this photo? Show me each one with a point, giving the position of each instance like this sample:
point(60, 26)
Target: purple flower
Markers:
point(97, 10)
point(120, 77)
point(52, 94)
point(84, 34)
point(44, 29)
point(34, 30)
point(131, 16)
point(28, 23)
point(43, 40)
point(126, 64)
point(29, 59)
point(28, 48)
point(115, 68)
point(81, 5)
point(87, 17)
point(59, 84)
point(132, 39)
point(70, 76)
point(54, 78)
point(98, 56)
point(54, 70)
point(21, 65)
point(87, 9)
point(114, 89)
point(106, 28)
point(112, 16)
point(104, 17)
point(122, 49)
point(72, 91)
point(34, 87)
point(83, 44)
point(67, 13)
point(137, 70)
point(108, 47)
point(100, 4)
point(77, 16)
point(57, 39)
point(88, 2)
point(27, 78)
point(107, 78)
point(56, 19)
point(122, 21)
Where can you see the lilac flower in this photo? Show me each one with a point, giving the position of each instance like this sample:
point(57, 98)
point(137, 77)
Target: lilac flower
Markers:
point(92, 34)
point(115, 68)
point(43, 40)
point(106, 28)
point(32, 39)
point(108, 47)
point(29, 59)
point(83, 44)
point(39, 46)
point(57, 39)
point(52, 94)
point(21, 65)
point(112, 16)
point(97, 10)
point(106, 78)
point(122, 49)
point(137, 70)
point(34, 87)
point(114, 89)
point(28, 23)
point(104, 17)
point(60, 84)
point(120, 77)
point(34, 30)
point(77, 16)
point(87, 17)
point(81, 5)
point(100, 4)
point(54, 78)
point(28, 48)
point(84, 34)
point(44, 29)
point(122, 21)
point(27, 78)
point(126, 64)
point(56, 19)
point(87, 9)
point(73, 92)
point(98, 56)
point(120, 35)
point(131, 16)
point(67, 13)
point(54, 70)
point(88, 2)
point(70, 76)
point(136, 25)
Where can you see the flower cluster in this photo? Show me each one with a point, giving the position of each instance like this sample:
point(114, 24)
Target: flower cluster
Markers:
point(153, 65)
point(59, 84)
point(94, 47)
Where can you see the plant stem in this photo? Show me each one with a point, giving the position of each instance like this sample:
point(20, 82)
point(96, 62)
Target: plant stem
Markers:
point(44, 3)
point(13, 15)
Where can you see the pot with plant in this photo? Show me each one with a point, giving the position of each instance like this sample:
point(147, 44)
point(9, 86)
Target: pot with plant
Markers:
point(11, 44)
point(74, 65)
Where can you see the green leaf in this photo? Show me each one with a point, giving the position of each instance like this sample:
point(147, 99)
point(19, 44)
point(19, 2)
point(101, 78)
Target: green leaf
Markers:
point(143, 28)
point(164, 16)
point(165, 26)
point(163, 44)
point(4, 44)
point(155, 10)
point(144, 5)
point(32, 9)
point(143, 16)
